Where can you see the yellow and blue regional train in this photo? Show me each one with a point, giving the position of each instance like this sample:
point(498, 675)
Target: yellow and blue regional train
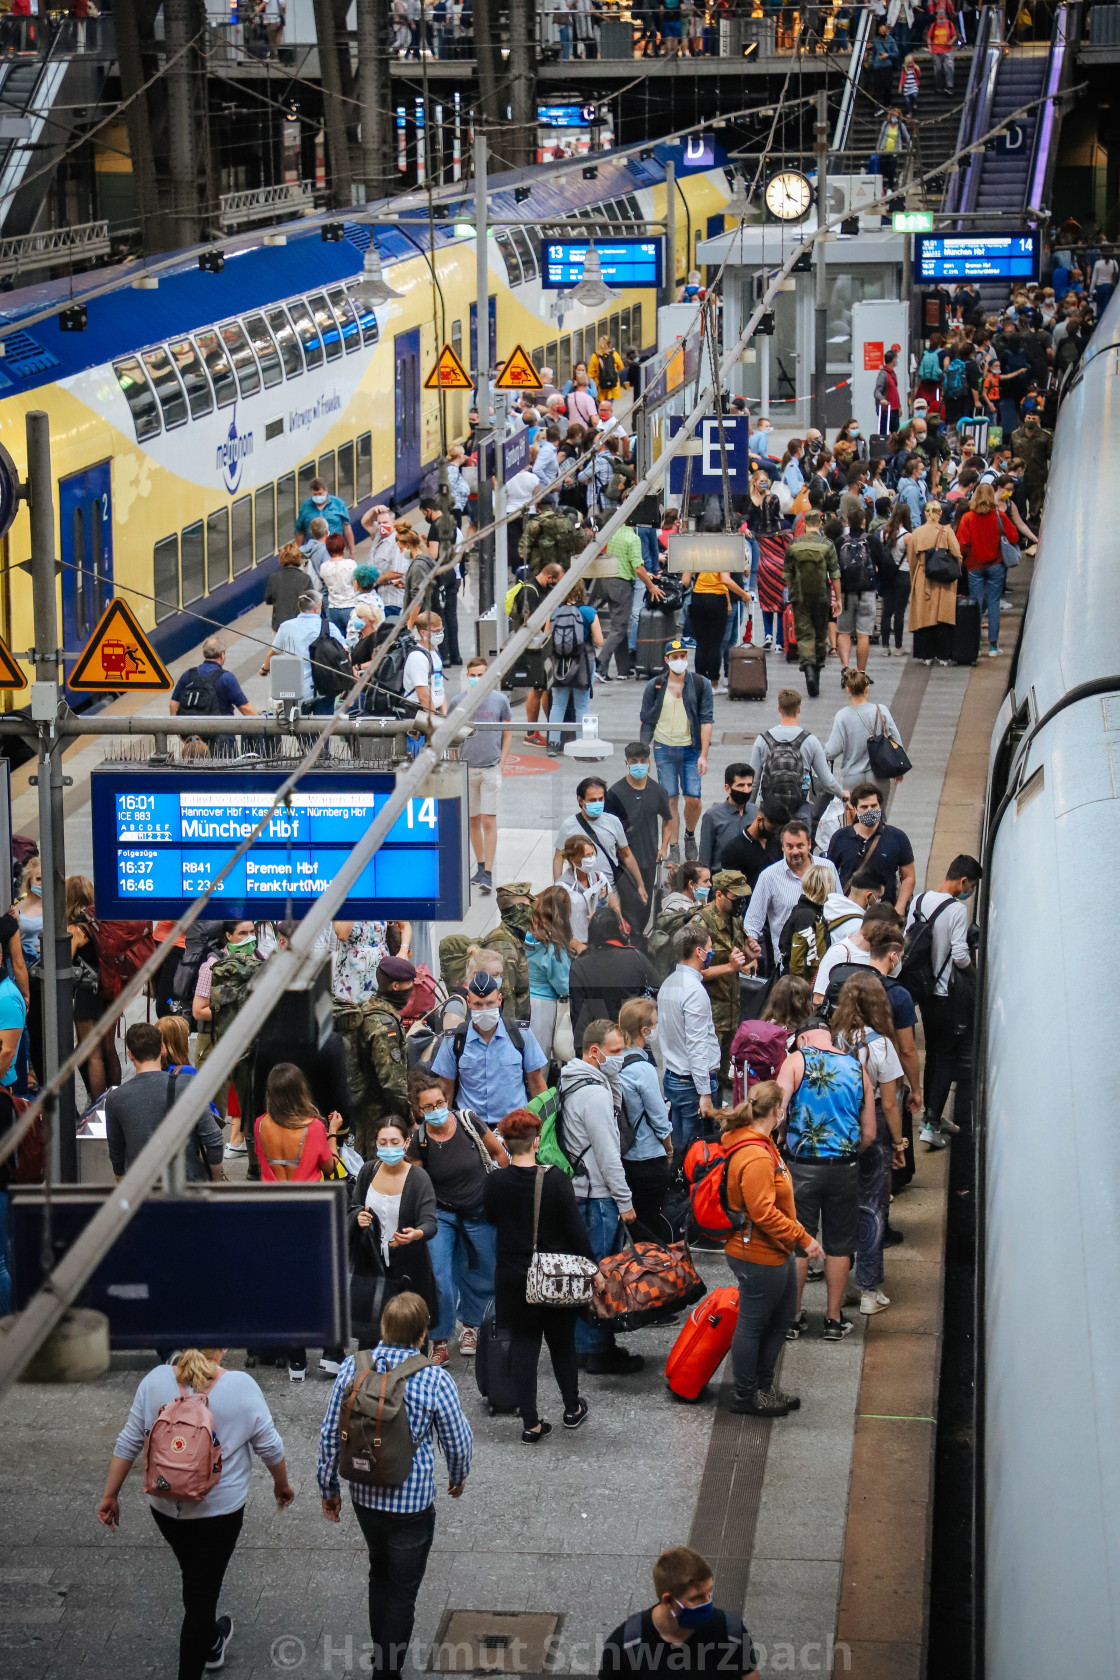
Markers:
point(187, 422)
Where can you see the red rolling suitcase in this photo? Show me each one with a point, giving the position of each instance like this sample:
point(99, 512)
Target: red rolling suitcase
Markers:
point(789, 633)
point(703, 1343)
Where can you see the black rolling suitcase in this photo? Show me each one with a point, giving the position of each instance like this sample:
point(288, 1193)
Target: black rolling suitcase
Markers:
point(655, 628)
point(492, 1366)
point(966, 632)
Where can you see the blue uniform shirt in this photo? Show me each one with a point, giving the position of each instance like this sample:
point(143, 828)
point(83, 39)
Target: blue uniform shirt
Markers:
point(491, 1076)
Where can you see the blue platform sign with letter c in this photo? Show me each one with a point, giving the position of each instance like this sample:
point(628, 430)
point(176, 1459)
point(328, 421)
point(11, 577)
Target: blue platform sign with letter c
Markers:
point(707, 471)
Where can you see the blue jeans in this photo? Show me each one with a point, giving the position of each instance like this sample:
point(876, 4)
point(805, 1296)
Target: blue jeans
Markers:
point(638, 602)
point(600, 1215)
point(676, 770)
point(684, 1106)
point(581, 701)
point(1008, 416)
point(462, 1284)
point(985, 585)
point(730, 634)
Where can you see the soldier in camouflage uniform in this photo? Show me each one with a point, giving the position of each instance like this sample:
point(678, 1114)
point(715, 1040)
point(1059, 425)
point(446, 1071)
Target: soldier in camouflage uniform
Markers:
point(515, 906)
point(809, 566)
point(381, 1038)
point(550, 537)
point(723, 919)
point(1032, 443)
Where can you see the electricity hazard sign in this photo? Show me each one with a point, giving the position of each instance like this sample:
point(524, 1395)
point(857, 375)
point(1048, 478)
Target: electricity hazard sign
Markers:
point(449, 374)
point(519, 374)
point(118, 656)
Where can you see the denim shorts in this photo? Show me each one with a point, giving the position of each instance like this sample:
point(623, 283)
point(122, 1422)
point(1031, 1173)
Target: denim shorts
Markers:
point(676, 770)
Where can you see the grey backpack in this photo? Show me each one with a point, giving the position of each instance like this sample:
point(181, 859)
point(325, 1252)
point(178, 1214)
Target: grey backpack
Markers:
point(376, 1445)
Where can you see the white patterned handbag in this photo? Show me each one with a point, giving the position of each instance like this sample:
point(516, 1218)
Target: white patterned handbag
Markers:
point(556, 1280)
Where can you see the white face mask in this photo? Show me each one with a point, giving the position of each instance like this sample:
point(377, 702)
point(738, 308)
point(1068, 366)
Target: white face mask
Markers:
point(612, 1065)
point(678, 665)
point(485, 1019)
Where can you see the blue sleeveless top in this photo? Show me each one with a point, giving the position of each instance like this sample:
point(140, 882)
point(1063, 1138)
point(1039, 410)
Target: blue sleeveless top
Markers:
point(823, 1122)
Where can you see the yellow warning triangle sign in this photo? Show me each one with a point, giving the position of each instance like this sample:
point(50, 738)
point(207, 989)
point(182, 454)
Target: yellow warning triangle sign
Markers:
point(519, 374)
point(10, 674)
point(118, 656)
point(449, 374)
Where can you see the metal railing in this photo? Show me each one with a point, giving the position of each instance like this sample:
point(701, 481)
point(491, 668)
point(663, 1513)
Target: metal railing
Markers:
point(41, 250)
point(1059, 68)
point(851, 82)
point(35, 37)
point(265, 204)
point(965, 184)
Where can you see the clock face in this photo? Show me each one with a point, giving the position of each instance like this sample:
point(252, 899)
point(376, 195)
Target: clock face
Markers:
point(788, 195)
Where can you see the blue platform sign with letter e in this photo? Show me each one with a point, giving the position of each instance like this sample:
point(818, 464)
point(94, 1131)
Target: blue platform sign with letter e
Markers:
point(161, 837)
point(707, 471)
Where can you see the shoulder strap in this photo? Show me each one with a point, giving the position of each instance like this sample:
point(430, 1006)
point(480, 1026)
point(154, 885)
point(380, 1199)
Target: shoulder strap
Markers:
point(600, 849)
point(769, 739)
point(538, 1187)
point(800, 739)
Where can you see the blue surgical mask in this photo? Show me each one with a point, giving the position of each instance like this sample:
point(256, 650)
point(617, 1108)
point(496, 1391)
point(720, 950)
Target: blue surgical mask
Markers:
point(594, 807)
point(37, 886)
point(693, 1615)
point(638, 771)
point(700, 894)
point(708, 959)
point(436, 1116)
point(390, 1155)
point(471, 681)
point(963, 897)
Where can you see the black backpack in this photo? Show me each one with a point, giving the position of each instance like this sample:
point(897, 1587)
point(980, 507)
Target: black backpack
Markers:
point(917, 972)
point(836, 980)
point(200, 941)
point(199, 696)
point(857, 574)
point(785, 777)
point(331, 670)
point(384, 694)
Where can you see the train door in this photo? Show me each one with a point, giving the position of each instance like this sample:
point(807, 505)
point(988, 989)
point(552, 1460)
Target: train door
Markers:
point(85, 504)
point(407, 413)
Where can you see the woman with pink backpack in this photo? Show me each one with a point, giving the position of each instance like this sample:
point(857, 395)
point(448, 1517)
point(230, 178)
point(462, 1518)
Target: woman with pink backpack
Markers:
point(197, 1426)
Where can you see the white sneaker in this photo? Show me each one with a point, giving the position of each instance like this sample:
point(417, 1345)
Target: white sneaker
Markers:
point(933, 1136)
point(236, 1149)
point(995, 653)
point(297, 1373)
point(330, 1366)
point(873, 1301)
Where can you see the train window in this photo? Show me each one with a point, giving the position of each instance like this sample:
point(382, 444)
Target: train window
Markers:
point(457, 338)
point(140, 397)
point(261, 339)
point(165, 573)
point(328, 326)
point(364, 485)
point(346, 473)
point(537, 357)
point(624, 341)
point(636, 326)
point(563, 368)
point(367, 318)
point(525, 252)
point(577, 350)
point(265, 511)
point(326, 471)
point(308, 333)
point(550, 358)
point(217, 366)
point(633, 207)
point(241, 352)
point(193, 374)
point(284, 334)
point(512, 261)
point(351, 326)
point(242, 526)
point(602, 328)
point(217, 550)
point(306, 474)
point(614, 329)
point(611, 211)
point(162, 374)
point(286, 507)
point(193, 552)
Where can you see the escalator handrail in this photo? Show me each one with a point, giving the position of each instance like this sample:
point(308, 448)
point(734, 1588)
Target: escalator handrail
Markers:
point(855, 71)
point(967, 127)
point(987, 77)
point(1066, 31)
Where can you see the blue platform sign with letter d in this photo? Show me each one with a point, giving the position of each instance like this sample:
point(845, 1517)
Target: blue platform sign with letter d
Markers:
point(707, 472)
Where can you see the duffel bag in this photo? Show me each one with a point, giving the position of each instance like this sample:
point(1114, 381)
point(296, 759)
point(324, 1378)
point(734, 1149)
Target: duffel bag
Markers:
point(644, 1284)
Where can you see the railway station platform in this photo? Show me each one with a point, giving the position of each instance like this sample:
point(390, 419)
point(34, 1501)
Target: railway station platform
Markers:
point(817, 1524)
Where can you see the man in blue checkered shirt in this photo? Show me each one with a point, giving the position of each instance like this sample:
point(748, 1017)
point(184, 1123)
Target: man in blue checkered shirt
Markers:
point(399, 1523)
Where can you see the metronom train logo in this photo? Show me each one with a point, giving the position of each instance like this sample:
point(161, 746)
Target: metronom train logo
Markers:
point(232, 453)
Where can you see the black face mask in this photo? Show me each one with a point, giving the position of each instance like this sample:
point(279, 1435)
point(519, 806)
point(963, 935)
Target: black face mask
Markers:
point(739, 796)
point(400, 999)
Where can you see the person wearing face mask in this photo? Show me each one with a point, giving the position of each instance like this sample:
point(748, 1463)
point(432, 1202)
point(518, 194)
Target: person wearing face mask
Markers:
point(607, 834)
point(588, 889)
point(386, 557)
point(648, 1162)
point(393, 1220)
point(1033, 444)
point(422, 679)
point(606, 974)
point(457, 1151)
point(757, 846)
point(683, 1633)
point(947, 1026)
point(642, 807)
point(381, 1041)
point(729, 817)
point(221, 988)
point(691, 890)
point(591, 1093)
point(875, 847)
point(491, 1065)
point(484, 752)
point(677, 717)
point(320, 504)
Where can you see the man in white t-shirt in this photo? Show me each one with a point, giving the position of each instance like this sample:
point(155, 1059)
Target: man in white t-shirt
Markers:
point(422, 681)
point(948, 1037)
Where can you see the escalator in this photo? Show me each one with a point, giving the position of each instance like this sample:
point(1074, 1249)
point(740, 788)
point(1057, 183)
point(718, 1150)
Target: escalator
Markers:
point(40, 100)
point(1004, 174)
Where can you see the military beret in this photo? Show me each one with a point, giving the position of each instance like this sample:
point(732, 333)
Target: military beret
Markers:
point(396, 968)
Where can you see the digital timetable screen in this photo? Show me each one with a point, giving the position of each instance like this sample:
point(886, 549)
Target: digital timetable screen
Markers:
point(625, 262)
point(162, 837)
point(978, 256)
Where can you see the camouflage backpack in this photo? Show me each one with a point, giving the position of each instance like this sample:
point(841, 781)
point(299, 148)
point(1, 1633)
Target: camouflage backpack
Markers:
point(453, 965)
point(662, 947)
point(550, 536)
point(230, 979)
point(348, 1024)
point(381, 1037)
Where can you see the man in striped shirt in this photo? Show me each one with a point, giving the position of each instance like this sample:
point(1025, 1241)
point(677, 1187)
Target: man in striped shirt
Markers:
point(778, 888)
point(398, 1523)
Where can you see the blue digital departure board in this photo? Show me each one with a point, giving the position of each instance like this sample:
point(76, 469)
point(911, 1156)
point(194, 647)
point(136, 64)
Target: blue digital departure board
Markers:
point(976, 256)
point(161, 838)
point(625, 262)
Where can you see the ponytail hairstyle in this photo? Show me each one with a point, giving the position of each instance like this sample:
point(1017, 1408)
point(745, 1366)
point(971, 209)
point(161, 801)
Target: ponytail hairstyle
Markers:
point(197, 1367)
point(762, 1100)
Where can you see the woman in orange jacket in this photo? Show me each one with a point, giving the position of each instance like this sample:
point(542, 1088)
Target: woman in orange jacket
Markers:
point(761, 1252)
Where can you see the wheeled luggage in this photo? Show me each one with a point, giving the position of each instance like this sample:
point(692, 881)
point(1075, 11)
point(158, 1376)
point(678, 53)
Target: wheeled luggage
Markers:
point(966, 632)
point(493, 1367)
point(789, 633)
point(746, 673)
point(655, 628)
point(703, 1343)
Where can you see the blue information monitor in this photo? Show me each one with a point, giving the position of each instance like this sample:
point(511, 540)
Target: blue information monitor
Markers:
point(161, 837)
point(567, 116)
point(625, 262)
point(976, 256)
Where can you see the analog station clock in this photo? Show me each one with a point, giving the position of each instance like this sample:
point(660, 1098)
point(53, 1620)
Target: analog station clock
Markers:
point(789, 195)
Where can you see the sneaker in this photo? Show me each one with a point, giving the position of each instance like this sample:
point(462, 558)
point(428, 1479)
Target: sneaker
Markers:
point(439, 1353)
point(674, 853)
point(760, 1404)
point(873, 1301)
point(995, 653)
point(719, 688)
point(691, 851)
point(532, 1436)
point(535, 739)
point(330, 1366)
point(791, 1402)
point(217, 1656)
point(798, 1327)
point(835, 1329)
point(892, 1238)
point(297, 1373)
point(485, 882)
point(555, 752)
point(944, 663)
point(236, 1149)
point(468, 1341)
point(816, 1272)
point(768, 643)
point(949, 1126)
point(572, 1420)
point(615, 1363)
point(932, 1136)
point(887, 651)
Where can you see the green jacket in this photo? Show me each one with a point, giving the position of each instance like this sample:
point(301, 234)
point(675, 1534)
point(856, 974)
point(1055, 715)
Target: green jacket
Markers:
point(382, 1040)
point(809, 563)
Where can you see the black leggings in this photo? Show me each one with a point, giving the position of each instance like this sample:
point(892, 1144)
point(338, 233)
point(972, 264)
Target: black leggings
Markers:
point(559, 1331)
point(896, 597)
point(648, 1181)
point(203, 1547)
point(709, 621)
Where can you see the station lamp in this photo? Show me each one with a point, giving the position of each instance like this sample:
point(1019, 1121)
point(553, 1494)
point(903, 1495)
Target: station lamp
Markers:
point(739, 207)
point(72, 319)
point(373, 288)
point(804, 263)
point(332, 233)
point(211, 262)
point(592, 290)
point(591, 172)
point(765, 327)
